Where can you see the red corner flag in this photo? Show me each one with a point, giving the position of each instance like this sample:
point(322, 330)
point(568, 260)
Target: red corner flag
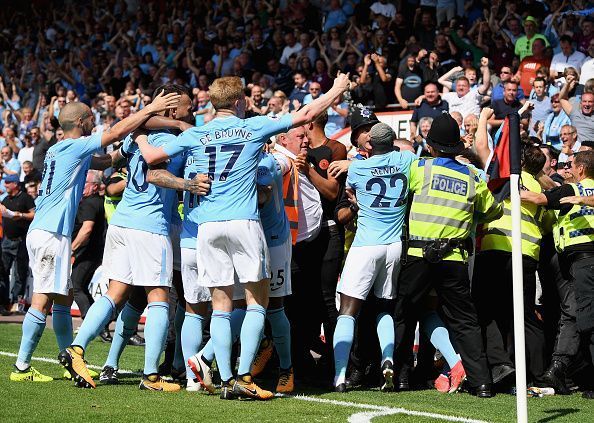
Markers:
point(499, 168)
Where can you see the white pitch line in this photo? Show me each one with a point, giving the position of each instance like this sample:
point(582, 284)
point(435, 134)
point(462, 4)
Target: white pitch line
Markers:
point(382, 411)
point(362, 417)
point(51, 360)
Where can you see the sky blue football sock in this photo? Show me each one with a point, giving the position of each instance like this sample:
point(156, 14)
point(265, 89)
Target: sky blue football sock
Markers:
point(155, 334)
point(62, 323)
point(385, 334)
point(237, 316)
point(435, 329)
point(251, 333)
point(281, 334)
point(220, 336)
point(33, 326)
point(98, 316)
point(126, 324)
point(178, 321)
point(343, 340)
point(208, 351)
point(191, 337)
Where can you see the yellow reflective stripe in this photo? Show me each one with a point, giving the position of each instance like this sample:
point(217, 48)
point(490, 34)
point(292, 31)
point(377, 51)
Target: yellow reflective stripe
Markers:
point(439, 220)
point(507, 233)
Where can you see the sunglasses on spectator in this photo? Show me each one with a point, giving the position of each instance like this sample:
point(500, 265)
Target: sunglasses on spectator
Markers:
point(505, 72)
point(314, 89)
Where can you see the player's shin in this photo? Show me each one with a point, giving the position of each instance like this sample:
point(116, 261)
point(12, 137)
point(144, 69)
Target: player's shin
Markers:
point(343, 340)
point(126, 324)
point(251, 333)
point(33, 326)
point(191, 337)
point(281, 333)
point(155, 332)
point(62, 323)
point(97, 317)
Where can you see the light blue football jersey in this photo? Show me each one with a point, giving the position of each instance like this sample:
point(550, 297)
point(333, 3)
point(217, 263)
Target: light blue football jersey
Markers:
point(228, 150)
point(145, 206)
point(381, 185)
point(64, 174)
point(272, 214)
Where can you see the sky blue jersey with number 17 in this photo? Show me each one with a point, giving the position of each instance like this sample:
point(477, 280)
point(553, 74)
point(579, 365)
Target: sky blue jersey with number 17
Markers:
point(64, 175)
point(228, 150)
point(145, 206)
point(381, 185)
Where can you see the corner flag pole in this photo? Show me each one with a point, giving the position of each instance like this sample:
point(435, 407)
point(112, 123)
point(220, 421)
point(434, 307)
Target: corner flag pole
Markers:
point(518, 281)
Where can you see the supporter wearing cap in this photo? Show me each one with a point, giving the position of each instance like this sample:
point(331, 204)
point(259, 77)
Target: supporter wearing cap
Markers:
point(523, 45)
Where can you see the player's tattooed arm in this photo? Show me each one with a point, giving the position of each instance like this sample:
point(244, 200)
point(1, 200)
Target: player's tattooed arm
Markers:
point(161, 177)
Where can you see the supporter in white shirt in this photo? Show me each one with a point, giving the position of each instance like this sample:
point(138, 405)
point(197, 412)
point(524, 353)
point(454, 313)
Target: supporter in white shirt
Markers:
point(464, 100)
point(292, 47)
point(587, 70)
point(567, 57)
point(382, 7)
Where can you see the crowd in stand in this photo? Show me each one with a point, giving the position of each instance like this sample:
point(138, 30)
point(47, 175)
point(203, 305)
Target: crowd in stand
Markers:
point(477, 60)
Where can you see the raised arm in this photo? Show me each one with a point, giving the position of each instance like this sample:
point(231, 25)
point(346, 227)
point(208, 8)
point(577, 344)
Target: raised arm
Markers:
point(484, 87)
point(481, 142)
point(444, 80)
point(124, 127)
point(312, 110)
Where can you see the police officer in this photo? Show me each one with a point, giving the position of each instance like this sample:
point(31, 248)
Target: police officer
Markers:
point(492, 278)
point(448, 197)
point(574, 239)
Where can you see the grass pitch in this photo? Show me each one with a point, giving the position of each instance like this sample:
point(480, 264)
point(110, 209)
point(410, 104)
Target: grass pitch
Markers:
point(60, 401)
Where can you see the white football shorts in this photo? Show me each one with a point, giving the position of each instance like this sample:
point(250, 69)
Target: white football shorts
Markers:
point(137, 257)
point(49, 259)
point(366, 267)
point(280, 264)
point(228, 247)
point(193, 293)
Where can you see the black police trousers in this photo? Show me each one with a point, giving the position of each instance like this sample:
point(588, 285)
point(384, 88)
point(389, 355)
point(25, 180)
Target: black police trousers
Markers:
point(492, 291)
point(450, 281)
point(582, 274)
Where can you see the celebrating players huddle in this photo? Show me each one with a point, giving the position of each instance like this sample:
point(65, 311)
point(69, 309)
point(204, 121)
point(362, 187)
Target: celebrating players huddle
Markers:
point(233, 236)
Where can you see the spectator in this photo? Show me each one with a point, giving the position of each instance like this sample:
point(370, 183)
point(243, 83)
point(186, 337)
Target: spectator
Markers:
point(87, 241)
point(465, 100)
point(378, 78)
point(335, 17)
point(204, 107)
point(9, 165)
point(542, 105)
point(582, 116)
point(18, 209)
point(315, 90)
point(32, 188)
point(337, 116)
point(281, 75)
point(10, 139)
point(504, 75)
point(570, 144)
point(300, 90)
point(530, 64)
point(431, 105)
point(26, 153)
point(291, 47)
point(274, 108)
point(383, 8)
point(586, 36)
point(550, 130)
point(30, 174)
point(587, 70)
point(523, 45)
point(568, 56)
point(551, 163)
point(409, 82)
point(508, 104)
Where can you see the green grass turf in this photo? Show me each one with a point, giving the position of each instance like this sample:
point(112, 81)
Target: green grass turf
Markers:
point(60, 401)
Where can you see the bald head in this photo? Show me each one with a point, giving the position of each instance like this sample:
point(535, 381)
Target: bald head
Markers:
point(404, 145)
point(76, 115)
